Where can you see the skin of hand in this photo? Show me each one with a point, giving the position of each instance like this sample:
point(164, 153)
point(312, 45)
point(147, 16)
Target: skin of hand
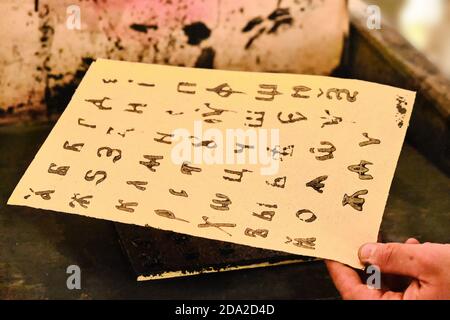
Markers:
point(424, 268)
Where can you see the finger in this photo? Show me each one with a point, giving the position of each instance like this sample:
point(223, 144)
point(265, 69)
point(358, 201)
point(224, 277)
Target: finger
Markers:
point(412, 292)
point(391, 295)
point(347, 281)
point(412, 241)
point(393, 258)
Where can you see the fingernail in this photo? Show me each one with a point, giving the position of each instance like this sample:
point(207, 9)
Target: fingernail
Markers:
point(366, 251)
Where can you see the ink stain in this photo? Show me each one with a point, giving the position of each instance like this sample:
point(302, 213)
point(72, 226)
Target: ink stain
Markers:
point(58, 97)
point(401, 109)
point(253, 38)
point(143, 27)
point(118, 44)
point(206, 58)
point(277, 13)
point(279, 23)
point(280, 16)
point(252, 23)
point(196, 32)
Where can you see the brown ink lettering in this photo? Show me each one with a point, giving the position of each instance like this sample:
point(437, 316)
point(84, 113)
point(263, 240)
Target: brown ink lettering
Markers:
point(361, 170)
point(317, 184)
point(219, 226)
point(109, 153)
point(163, 138)
point(370, 140)
point(74, 147)
point(125, 206)
point(152, 162)
point(99, 103)
point(237, 173)
point(186, 84)
point(354, 200)
point(82, 201)
point(301, 213)
point(80, 123)
point(339, 92)
point(222, 203)
point(187, 169)
point(291, 117)
point(298, 89)
point(263, 233)
point(223, 90)
point(90, 177)
point(329, 151)
point(138, 184)
point(62, 170)
point(255, 122)
point(181, 193)
point(168, 214)
point(269, 90)
point(278, 182)
point(135, 106)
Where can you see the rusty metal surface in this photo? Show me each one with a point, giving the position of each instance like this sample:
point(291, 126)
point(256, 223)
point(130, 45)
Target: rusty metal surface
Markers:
point(42, 61)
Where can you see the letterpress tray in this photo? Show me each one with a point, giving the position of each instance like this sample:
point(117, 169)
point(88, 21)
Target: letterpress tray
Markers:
point(157, 254)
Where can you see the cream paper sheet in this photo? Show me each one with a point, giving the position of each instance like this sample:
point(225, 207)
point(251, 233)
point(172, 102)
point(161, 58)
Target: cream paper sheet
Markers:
point(295, 163)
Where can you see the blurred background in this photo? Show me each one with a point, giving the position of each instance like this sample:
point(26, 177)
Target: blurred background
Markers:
point(425, 24)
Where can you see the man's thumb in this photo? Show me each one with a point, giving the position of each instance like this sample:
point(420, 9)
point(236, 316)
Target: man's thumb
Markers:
point(393, 258)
